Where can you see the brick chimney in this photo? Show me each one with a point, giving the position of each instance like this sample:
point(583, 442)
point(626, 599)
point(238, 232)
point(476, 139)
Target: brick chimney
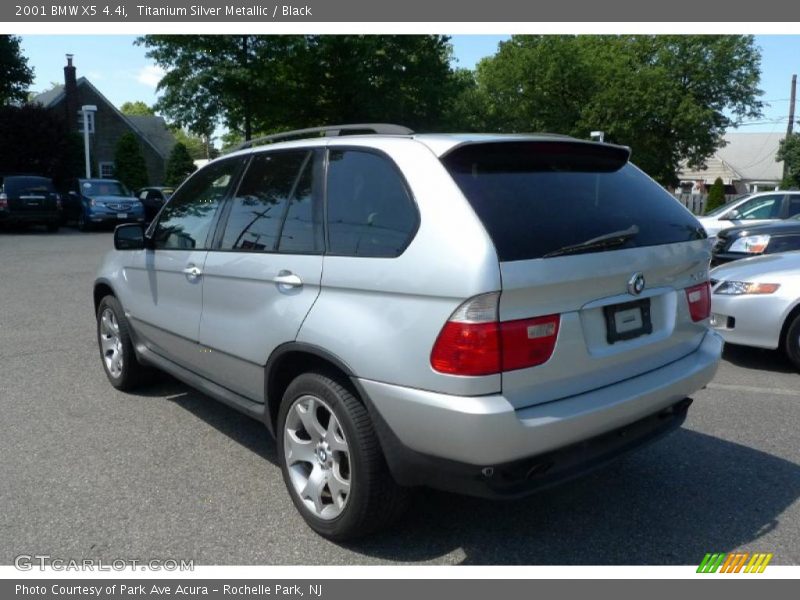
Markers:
point(71, 103)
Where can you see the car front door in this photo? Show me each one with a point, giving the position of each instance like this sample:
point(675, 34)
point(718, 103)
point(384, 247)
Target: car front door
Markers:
point(166, 283)
point(263, 275)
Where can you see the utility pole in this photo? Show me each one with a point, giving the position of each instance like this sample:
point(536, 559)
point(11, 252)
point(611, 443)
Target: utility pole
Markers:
point(790, 126)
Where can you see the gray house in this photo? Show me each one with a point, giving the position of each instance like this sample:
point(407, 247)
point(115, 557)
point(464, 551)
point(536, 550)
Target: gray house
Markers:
point(107, 125)
point(745, 164)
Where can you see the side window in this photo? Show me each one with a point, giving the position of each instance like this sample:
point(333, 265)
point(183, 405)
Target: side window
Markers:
point(763, 207)
point(794, 206)
point(185, 221)
point(275, 183)
point(143, 195)
point(370, 212)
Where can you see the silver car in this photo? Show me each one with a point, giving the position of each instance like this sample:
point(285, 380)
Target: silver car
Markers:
point(756, 302)
point(479, 313)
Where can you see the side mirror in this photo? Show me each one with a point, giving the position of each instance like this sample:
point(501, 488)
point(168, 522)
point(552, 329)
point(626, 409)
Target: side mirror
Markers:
point(732, 215)
point(130, 236)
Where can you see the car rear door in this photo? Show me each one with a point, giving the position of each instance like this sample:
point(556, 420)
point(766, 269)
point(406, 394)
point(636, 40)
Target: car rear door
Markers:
point(610, 309)
point(165, 283)
point(263, 274)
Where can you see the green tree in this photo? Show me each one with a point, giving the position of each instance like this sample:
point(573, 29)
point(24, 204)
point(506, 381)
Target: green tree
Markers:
point(198, 146)
point(137, 108)
point(179, 165)
point(671, 98)
point(789, 152)
point(15, 74)
point(716, 195)
point(42, 143)
point(262, 84)
point(129, 164)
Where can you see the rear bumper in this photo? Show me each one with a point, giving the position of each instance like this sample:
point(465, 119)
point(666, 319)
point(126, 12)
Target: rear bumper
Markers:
point(33, 217)
point(451, 442)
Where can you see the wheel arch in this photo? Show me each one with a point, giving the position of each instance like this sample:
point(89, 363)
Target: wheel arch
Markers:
point(102, 288)
point(288, 361)
point(787, 322)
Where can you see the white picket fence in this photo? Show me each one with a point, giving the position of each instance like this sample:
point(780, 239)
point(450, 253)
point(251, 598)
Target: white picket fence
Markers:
point(697, 202)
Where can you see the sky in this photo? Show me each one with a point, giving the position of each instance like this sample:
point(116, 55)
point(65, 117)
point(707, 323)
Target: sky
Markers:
point(122, 72)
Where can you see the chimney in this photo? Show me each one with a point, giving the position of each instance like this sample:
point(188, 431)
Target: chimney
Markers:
point(71, 103)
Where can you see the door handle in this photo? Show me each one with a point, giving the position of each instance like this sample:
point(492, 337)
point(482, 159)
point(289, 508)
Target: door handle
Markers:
point(287, 279)
point(192, 272)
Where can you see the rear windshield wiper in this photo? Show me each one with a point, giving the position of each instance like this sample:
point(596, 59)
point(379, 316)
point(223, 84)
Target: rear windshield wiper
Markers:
point(607, 240)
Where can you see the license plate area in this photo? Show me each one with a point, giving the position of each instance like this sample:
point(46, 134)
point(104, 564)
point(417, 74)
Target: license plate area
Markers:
point(122, 215)
point(628, 321)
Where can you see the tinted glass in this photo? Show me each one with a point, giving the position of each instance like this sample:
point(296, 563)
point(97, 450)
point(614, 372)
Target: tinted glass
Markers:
point(186, 219)
point(763, 207)
point(794, 206)
point(302, 228)
point(370, 212)
point(258, 210)
point(23, 185)
point(537, 197)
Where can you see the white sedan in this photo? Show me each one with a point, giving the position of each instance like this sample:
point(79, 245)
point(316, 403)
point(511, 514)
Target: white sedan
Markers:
point(756, 302)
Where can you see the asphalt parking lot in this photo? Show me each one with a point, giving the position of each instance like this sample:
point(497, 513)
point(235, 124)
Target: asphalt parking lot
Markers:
point(87, 471)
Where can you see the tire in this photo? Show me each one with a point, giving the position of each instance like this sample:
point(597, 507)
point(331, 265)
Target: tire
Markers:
point(83, 224)
point(356, 494)
point(791, 344)
point(52, 226)
point(116, 347)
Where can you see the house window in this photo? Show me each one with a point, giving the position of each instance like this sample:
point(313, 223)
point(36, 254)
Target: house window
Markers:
point(106, 170)
point(90, 115)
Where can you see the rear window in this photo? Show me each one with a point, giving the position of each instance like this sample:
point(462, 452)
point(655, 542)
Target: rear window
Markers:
point(22, 185)
point(535, 198)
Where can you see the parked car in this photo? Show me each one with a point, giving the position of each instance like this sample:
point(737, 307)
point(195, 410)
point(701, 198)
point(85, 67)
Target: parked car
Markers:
point(746, 241)
point(92, 202)
point(756, 302)
point(153, 199)
point(29, 200)
point(755, 209)
point(485, 314)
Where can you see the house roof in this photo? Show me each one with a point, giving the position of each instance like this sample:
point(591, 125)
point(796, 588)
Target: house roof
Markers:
point(155, 129)
point(746, 157)
point(152, 129)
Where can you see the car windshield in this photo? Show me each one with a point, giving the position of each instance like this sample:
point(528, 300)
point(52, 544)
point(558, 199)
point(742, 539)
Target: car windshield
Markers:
point(101, 187)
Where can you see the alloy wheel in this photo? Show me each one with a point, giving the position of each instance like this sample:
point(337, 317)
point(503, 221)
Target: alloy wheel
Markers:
point(111, 343)
point(317, 457)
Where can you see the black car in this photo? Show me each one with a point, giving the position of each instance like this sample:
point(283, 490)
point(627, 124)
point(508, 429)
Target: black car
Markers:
point(29, 200)
point(153, 199)
point(745, 241)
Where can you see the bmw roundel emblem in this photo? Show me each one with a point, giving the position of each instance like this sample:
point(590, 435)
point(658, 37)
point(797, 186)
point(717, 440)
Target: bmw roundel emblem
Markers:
point(636, 284)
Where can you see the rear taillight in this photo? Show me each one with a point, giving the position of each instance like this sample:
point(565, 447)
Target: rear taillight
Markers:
point(474, 341)
point(699, 298)
point(528, 342)
point(3, 201)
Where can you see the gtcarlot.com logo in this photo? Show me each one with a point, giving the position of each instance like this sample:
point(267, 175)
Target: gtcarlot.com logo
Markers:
point(734, 562)
point(29, 562)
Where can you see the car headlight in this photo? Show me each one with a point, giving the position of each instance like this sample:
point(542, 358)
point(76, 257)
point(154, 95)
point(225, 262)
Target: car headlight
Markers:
point(752, 244)
point(738, 288)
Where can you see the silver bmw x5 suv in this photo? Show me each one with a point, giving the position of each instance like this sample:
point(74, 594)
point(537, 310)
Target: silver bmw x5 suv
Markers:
point(484, 314)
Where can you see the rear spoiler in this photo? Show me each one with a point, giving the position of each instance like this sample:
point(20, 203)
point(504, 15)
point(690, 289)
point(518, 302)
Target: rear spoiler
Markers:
point(537, 154)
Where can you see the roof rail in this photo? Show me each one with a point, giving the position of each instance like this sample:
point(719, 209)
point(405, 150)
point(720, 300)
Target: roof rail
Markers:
point(328, 131)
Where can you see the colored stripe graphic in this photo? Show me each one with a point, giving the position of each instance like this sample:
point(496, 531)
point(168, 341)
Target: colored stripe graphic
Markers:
point(735, 562)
